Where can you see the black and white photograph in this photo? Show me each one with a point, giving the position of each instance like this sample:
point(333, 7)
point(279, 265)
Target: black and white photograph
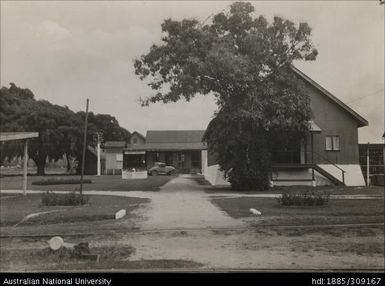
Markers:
point(191, 136)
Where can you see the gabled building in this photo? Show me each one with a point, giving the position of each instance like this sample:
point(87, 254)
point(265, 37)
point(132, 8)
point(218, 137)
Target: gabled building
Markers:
point(113, 151)
point(328, 155)
point(181, 149)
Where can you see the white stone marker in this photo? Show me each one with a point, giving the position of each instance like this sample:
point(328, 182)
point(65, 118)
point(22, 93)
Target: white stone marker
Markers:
point(256, 212)
point(56, 242)
point(120, 214)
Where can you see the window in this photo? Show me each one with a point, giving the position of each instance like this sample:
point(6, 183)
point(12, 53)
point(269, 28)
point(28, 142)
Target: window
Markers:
point(119, 157)
point(196, 159)
point(332, 143)
point(136, 161)
point(169, 159)
point(134, 140)
point(155, 157)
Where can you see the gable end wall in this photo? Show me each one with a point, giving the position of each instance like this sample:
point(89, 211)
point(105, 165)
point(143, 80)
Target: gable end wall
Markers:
point(333, 120)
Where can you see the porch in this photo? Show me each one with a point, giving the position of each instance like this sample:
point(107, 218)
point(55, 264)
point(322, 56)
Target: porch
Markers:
point(301, 166)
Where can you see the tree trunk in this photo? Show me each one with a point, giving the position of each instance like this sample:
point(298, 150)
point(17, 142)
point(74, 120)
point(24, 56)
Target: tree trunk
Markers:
point(79, 166)
point(40, 161)
point(69, 167)
point(40, 167)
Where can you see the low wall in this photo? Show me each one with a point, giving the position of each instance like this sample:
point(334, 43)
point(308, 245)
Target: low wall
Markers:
point(353, 175)
point(215, 176)
point(112, 172)
point(134, 175)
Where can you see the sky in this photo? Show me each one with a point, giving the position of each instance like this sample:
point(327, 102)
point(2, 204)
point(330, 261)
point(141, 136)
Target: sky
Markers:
point(67, 51)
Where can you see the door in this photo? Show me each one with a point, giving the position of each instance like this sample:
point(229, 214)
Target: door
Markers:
point(181, 162)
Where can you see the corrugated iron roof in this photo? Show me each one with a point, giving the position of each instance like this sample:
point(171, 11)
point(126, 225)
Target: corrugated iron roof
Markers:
point(115, 144)
point(174, 136)
point(7, 136)
point(167, 146)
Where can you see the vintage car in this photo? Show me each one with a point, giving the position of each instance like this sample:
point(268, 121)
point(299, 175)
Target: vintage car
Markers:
point(161, 169)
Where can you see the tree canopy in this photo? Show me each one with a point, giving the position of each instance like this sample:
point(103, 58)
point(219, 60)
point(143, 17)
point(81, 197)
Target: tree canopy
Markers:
point(60, 129)
point(230, 57)
point(244, 61)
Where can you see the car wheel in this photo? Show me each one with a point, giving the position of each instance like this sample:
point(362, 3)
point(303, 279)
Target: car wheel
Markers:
point(172, 173)
point(154, 173)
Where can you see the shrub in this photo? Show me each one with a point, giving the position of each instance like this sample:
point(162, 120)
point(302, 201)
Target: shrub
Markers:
point(304, 199)
point(61, 182)
point(50, 198)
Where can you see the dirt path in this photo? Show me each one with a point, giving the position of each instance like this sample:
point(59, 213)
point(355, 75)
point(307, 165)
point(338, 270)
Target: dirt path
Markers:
point(181, 203)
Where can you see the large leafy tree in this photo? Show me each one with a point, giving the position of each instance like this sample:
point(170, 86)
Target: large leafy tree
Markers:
point(60, 129)
point(21, 112)
point(244, 61)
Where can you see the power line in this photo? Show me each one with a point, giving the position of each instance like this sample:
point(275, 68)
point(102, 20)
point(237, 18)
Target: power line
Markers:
point(213, 14)
point(362, 97)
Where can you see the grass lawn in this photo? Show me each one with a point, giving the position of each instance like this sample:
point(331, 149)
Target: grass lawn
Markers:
point(333, 190)
point(335, 212)
point(105, 183)
point(13, 210)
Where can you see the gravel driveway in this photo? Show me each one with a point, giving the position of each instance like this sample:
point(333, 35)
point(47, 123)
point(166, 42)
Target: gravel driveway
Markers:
point(181, 203)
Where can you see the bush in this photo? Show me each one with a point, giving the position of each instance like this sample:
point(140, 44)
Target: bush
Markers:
point(61, 182)
point(71, 199)
point(303, 199)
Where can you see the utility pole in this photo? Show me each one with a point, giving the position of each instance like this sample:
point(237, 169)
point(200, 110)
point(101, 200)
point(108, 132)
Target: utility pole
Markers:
point(367, 167)
point(98, 150)
point(84, 149)
point(25, 167)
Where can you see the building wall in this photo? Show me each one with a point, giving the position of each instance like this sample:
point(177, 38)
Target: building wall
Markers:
point(113, 162)
point(333, 120)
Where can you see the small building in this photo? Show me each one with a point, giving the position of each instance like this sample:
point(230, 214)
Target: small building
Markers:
point(114, 152)
point(114, 157)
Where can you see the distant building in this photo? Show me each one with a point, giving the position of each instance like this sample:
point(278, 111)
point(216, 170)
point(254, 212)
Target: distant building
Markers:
point(179, 148)
point(114, 157)
point(114, 153)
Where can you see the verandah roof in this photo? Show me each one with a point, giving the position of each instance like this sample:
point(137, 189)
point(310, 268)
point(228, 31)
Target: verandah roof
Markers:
point(167, 147)
point(8, 136)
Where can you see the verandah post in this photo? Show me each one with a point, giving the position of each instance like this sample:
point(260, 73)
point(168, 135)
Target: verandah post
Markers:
point(84, 149)
point(25, 167)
